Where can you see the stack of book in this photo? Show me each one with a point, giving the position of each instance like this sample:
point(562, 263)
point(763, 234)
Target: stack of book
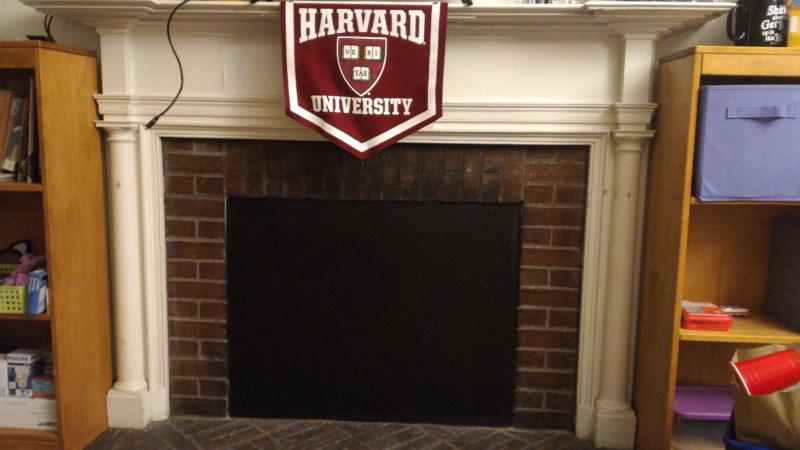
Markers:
point(18, 136)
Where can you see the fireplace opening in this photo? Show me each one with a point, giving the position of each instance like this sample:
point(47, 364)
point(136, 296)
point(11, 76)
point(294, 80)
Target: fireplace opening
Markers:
point(362, 310)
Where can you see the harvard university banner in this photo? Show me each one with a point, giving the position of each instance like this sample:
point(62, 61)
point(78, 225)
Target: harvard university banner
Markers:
point(364, 75)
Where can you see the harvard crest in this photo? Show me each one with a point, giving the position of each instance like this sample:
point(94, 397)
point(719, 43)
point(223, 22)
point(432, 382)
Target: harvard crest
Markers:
point(361, 61)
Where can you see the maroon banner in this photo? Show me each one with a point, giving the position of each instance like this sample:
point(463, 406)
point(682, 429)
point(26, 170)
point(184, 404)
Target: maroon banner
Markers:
point(364, 75)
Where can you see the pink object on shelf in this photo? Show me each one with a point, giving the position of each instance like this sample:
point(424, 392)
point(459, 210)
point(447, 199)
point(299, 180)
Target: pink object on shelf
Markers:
point(27, 263)
point(769, 373)
point(703, 403)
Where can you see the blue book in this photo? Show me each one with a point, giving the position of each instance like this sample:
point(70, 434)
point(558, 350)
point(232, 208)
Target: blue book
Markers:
point(36, 301)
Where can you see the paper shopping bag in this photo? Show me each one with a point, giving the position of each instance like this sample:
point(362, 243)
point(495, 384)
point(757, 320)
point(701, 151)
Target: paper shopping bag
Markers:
point(770, 420)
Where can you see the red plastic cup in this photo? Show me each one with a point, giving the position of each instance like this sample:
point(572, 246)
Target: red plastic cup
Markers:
point(769, 373)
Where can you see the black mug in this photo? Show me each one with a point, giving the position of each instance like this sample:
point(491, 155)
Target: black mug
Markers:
point(759, 23)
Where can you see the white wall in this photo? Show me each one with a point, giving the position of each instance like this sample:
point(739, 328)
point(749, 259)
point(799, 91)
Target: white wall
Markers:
point(711, 33)
point(18, 20)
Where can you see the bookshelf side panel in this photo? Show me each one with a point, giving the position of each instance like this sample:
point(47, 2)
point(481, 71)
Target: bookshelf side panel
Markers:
point(75, 222)
point(666, 228)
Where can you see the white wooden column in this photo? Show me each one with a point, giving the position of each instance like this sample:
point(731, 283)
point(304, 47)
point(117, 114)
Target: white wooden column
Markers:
point(615, 425)
point(127, 400)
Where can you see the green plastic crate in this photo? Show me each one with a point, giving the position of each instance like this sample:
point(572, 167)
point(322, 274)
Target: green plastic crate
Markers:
point(12, 299)
point(6, 269)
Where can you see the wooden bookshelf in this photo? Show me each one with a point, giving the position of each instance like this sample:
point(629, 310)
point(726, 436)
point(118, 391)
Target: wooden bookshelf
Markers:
point(64, 216)
point(715, 252)
point(20, 187)
point(24, 317)
point(756, 329)
point(18, 438)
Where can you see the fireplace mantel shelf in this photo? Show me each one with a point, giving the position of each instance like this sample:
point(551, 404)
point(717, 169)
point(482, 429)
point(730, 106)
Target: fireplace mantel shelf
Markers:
point(590, 17)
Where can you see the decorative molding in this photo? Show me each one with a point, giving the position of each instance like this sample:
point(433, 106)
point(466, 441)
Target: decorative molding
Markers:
point(632, 141)
point(654, 18)
point(596, 232)
point(261, 115)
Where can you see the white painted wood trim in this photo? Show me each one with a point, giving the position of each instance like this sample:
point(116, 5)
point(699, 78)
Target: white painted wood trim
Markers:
point(235, 16)
point(266, 116)
point(595, 238)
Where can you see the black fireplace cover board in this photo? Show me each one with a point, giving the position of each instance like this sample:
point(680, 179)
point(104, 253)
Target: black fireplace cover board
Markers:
point(355, 310)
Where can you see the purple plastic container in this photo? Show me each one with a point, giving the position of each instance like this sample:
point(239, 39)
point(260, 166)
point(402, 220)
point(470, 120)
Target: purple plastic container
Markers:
point(748, 143)
point(703, 403)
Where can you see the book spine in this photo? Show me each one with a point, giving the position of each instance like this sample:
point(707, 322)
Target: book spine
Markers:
point(22, 172)
point(15, 138)
point(33, 137)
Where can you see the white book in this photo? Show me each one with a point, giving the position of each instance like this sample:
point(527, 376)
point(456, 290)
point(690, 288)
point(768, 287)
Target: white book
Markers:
point(4, 371)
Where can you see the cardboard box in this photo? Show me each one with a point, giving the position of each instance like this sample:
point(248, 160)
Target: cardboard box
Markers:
point(24, 356)
point(44, 387)
point(36, 413)
point(20, 378)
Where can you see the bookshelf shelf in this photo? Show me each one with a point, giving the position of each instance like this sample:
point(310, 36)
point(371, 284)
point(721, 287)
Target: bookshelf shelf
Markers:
point(697, 202)
point(20, 187)
point(26, 318)
point(29, 438)
point(755, 329)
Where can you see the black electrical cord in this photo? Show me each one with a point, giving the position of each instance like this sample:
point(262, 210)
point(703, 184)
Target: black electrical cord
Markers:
point(48, 23)
point(155, 119)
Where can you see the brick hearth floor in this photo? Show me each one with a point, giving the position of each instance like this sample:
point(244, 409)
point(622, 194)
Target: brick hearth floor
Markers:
point(205, 433)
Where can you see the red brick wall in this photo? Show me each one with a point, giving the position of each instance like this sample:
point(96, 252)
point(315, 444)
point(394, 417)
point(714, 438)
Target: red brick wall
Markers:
point(551, 181)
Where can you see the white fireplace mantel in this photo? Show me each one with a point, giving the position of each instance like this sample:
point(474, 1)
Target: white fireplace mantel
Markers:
point(521, 74)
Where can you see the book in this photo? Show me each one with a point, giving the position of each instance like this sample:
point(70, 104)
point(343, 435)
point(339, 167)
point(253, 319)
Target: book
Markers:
point(13, 148)
point(36, 300)
point(5, 117)
point(3, 371)
point(22, 167)
point(33, 137)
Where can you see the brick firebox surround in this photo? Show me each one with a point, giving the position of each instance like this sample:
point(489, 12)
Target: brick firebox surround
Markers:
point(551, 181)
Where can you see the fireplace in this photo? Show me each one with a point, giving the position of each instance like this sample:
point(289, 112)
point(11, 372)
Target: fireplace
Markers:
point(534, 197)
point(515, 75)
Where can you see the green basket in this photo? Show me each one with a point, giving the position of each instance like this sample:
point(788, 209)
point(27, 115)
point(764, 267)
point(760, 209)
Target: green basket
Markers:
point(12, 298)
point(6, 269)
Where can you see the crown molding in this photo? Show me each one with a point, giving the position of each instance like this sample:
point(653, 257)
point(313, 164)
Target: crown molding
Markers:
point(268, 113)
point(620, 17)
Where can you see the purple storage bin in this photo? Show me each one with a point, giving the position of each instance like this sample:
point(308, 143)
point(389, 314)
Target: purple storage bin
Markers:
point(748, 143)
point(703, 403)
